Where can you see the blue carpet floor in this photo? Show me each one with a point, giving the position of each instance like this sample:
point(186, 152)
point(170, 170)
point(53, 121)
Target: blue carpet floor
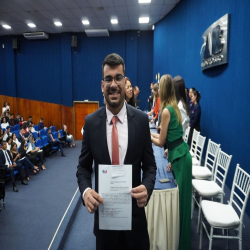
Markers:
point(33, 214)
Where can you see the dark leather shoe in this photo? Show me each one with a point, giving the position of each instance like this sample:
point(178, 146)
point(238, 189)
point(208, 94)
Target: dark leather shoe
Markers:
point(24, 182)
point(15, 189)
point(63, 155)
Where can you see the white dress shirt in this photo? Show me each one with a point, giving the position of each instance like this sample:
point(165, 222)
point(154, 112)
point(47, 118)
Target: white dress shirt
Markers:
point(122, 128)
point(184, 117)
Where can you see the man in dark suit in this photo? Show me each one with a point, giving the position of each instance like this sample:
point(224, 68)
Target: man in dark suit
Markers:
point(151, 97)
point(11, 121)
point(21, 136)
point(17, 119)
point(11, 166)
point(134, 148)
point(54, 143)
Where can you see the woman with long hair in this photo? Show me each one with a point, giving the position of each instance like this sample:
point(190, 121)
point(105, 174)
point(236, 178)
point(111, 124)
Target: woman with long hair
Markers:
point(24, 161)
point(179, 157)
point(36, 151)
point(179, 87)
point(195, 115)
point(155, 111)
point(129, 94)
point(23, 152)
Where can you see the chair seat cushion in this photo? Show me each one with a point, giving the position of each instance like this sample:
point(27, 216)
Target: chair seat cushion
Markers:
point(201, 173)
point(195, 161)
point(206, 188)
point(220, 215)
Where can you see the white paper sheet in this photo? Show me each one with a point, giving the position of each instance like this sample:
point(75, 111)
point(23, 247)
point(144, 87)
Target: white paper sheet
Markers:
point(115, 184)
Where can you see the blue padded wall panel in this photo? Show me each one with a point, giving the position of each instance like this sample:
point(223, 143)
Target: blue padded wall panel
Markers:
point(87, 63)
point(2, 66)
point(224, 89)
point(39, 69)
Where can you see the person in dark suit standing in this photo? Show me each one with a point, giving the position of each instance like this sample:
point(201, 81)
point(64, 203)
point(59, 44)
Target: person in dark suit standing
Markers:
point(6, 159)
point(133, 147)
point(151, 97)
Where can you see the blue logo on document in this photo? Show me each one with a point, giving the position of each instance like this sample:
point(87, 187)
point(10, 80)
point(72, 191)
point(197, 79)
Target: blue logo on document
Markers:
point(105, 171)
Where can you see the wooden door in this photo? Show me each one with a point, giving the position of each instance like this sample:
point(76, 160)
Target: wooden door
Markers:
point(81, 110)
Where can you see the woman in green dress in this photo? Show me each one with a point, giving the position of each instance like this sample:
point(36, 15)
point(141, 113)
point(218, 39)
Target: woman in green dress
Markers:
point(178, 155)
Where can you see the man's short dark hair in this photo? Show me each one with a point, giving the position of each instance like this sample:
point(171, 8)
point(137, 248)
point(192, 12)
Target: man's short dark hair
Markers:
point(41, 118)
point(17, 114)
point(30, 116)
point(135, 87)
point(113, 60)
point(30, 126)
point(7, 127)
point(11, 114)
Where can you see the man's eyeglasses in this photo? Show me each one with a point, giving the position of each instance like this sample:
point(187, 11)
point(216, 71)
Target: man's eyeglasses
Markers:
point(109, 79)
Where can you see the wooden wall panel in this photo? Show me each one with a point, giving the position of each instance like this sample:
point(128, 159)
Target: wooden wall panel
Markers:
point(53, 114)
point(81, 109)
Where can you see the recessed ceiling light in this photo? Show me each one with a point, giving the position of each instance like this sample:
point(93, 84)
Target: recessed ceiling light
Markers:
point(32, 25)
point(144, 1)
point(85, 22)
point(114, 21)
point(6, 26)
point(144, 20)
point(58, 23)
point(153, 27)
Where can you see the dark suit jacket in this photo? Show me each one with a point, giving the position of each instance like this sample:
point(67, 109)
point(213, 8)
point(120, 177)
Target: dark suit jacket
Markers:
point(16, 121)
point(2, 158)
point(49, 138)
point(139, 154)
point(20, 138)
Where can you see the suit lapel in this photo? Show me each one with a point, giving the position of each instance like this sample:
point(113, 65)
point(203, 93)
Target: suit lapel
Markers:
point(103, 137)
point(131, 134)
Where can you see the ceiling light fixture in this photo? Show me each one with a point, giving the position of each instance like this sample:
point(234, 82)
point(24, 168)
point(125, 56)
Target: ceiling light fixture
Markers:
point(153, 27)
point(31, 25)
point(114, 21)
point(144, 20)
point(85, 22)
point(58, 23)
point(6, 26)
point(144, 1)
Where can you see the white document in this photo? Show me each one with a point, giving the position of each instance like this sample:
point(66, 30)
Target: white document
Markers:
point(29, 148)
point(115, 184)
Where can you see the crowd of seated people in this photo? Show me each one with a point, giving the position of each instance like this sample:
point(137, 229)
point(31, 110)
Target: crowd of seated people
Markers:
point(18, 150)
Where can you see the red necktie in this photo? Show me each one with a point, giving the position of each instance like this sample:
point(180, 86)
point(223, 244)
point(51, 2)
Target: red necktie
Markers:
point(115, 143)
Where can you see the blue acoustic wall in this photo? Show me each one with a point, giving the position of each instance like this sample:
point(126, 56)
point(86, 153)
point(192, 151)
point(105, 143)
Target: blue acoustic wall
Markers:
point(50, 71)
point(137, 53)
point(224, 89)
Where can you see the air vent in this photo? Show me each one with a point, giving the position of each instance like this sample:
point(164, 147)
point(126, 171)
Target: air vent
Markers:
point(36, 35)
point(97, 32)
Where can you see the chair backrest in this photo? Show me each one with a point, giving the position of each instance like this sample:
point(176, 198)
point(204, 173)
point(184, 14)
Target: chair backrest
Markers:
point(36, 127)
point(35, 135)
point(186, 134)
point(55, 135)
point(42, 133)
point(199, 148)
point(221, 170)
point(211, 155)
point(44, 140)
point(16, 132)
point(17, 127)
point(240, 191)
point(39, 143)
point(46, 131)
point(53, 129)
point(11, 128)
point(194, 141)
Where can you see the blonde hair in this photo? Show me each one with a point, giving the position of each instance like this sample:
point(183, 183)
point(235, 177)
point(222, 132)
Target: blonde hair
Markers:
point(167, 95)
point(155, 88)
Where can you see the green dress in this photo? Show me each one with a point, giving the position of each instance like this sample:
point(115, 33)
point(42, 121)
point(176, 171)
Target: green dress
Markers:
point(181, 161)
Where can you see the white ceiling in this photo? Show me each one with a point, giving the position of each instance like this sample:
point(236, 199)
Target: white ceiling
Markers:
point(17, 13)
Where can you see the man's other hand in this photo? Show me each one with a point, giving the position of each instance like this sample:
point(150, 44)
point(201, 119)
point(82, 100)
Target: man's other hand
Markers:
point(140, 193)
point(92, 200)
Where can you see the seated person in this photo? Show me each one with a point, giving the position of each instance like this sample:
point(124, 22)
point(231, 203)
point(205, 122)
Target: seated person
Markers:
point(2, 134)
point(11, 121)
point(15, 140)
point(36, 151)
point(5, 107)
point(9, 141)
point(29, 133)
point(8, 133)
point(4, 123)
point(54, 143)
point(17, 119)
point(29, 121)
point(21, 135)
point(41, 125)
point(6, 159)
point(26, 153)
point(68, 136)
point(21, 122)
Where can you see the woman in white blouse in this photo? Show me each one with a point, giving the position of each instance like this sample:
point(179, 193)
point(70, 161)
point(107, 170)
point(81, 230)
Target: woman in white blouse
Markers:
point(179, 86)
point(4, 124)
point(14, 138)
